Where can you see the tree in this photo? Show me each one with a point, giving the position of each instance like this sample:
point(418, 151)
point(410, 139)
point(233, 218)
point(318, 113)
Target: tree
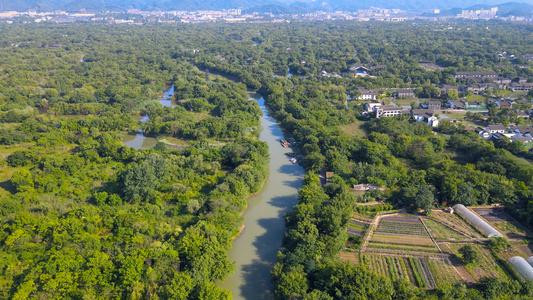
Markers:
point(469, 255)
point(419, 197)
point(292, 284)
point(466, 194)
point(314, 162)
point(22, 180)
point(453, 94)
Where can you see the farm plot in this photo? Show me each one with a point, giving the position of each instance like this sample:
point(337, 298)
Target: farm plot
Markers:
point(392, 266)
point(412, 269)
point(488, 266)
point(455, 223)
point(439, 231)
point(402, 233)
point(503, 222)
point(493, 215)
point(443, 272)
point(391, 226)
point(356, 228)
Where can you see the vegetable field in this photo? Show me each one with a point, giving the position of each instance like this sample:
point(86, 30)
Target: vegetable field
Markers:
point(412, 269)
point(455, 223)
point(402, 228)
point(356, 228)
point(439, 231)
point(402, 233)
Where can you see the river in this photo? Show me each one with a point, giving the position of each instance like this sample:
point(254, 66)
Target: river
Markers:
point(254, 251)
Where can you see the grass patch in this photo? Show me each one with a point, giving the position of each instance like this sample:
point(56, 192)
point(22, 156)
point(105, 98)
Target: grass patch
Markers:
point(511, 227)
point(354, 129)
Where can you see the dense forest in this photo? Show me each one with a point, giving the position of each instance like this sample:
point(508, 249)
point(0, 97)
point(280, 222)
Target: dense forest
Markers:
point(84, 216)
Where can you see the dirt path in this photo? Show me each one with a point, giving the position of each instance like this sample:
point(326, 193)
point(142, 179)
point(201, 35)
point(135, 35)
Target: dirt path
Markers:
point(370, 232)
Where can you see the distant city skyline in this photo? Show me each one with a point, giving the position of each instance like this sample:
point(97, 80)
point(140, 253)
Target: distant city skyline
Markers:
point(192, 5)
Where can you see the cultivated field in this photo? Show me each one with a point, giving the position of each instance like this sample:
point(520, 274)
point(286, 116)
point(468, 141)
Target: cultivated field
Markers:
point(424, 250)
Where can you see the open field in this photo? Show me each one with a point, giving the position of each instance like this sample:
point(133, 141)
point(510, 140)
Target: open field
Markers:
point(353, 129)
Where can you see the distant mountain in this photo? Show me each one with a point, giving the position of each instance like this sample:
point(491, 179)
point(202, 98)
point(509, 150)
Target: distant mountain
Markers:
point(277, 9)
point(504, 10)
point(505, 7)
point(280, 6)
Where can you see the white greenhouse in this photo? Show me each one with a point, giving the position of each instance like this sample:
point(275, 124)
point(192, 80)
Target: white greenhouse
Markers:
point(521, 266)
point(477, 221)
point(530, 260)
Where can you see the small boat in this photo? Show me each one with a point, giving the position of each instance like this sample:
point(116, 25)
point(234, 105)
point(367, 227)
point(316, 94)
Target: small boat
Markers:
point(294, 160)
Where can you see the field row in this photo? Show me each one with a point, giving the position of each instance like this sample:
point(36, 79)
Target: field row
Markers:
point(416, 229)
point(409, 241)
point(412, 269)
point(356, 228)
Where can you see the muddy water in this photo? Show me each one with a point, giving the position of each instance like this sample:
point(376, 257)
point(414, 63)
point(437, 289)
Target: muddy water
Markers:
point(254, 251)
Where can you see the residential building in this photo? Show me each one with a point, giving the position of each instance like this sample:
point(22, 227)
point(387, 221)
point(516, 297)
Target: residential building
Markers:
point(521, 87)
point(367, 94)
point(404, 94)
point(371, 106)
point(495, 128)
point(455, 104)
point(387, 111)
point(433, 105)
point(476, 75)
point(425, 115)
point(477, 88)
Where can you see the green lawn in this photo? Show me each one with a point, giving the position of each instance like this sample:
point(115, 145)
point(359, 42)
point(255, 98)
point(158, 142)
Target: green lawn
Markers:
point(353, 129)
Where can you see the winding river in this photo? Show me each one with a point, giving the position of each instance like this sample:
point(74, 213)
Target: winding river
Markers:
point(254, 251)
